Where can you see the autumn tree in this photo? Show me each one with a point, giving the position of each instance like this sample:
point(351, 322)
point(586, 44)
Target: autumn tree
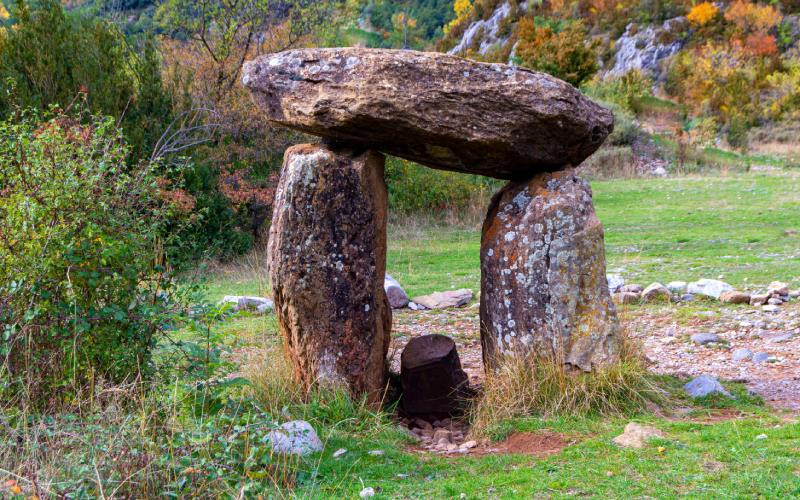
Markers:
point(558, 49)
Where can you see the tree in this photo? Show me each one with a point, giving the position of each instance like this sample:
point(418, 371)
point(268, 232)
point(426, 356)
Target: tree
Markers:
point(561, 51)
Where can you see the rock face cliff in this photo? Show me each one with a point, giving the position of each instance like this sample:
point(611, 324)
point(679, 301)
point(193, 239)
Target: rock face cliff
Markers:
point(438, 110)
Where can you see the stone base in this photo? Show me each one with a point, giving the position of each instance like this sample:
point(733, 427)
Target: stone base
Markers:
point(543, 275)
point(327, 260)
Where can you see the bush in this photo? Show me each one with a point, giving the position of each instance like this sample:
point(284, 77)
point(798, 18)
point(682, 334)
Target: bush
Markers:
point(625, 91)
point(84, 288)
point(417, 189)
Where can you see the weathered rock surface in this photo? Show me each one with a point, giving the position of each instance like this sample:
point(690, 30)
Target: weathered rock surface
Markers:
point(443, 300)
point(327, 259)
point(398, 298)
point(636, 435)
point(656, 292)
point(734, 297)
point(296, 438)
point(704, 385)
point(709, 288)
point(543, 279)
point(439, 110)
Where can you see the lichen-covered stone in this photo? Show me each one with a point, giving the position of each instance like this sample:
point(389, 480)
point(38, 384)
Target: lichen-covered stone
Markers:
point(327, 259)
point(438, 110)
point(543, 275)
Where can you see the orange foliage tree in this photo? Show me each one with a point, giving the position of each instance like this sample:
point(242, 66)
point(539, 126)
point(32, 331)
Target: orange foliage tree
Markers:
point(564, 53)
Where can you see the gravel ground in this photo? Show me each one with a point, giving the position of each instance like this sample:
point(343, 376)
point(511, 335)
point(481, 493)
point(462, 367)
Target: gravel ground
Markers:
point(664, 332)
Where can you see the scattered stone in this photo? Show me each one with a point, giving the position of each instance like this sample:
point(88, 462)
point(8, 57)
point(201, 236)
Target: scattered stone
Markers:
point(327, 277)
point(794, 294)
point(759, 299)
point(338, 453)
point(398, 298)
point(468, 445)
point(544, 291)
point(261, 305)
point(778, 287)
point(770, 308)
point(760, 357)
point(443, 300)
point(742, 354)
point(431, 375)
point(416, 307)
point(761, 437)
point(367, 493)
point(708, 287)
point(687, 297)
point(377, 453)
point(632, 288)
point(440, 434)
point(734, 297)
point(656, 292)
point(705, 338)
point(704, 385)
point(451, 447)
point(627, 297)
point(677, 286)
point(615, 282)
point(453, 113)
point(296, 438)
point(774, 301)
point(636, 435)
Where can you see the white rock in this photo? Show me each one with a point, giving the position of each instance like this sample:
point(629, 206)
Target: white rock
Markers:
point(615, 282)
point(708, 287)
point(377, 453)
point(338, 453)
point(761, 436)
point(296, 437)
point(770, 308)
point(367, 493)
point(677, 286)
point(778, 287)
point(239, 303)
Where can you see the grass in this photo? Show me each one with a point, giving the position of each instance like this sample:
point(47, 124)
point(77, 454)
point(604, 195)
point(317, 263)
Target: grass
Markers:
point(656, 229)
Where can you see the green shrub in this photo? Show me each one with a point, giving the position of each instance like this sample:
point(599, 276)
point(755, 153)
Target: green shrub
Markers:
point(417, 189)
point(625, 91)
point(83, 286)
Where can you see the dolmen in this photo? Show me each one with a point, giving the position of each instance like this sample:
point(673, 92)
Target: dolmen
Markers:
point(544, 293)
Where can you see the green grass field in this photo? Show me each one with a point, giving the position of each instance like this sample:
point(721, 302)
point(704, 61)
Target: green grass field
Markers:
point(734, 226)
point(737, 226)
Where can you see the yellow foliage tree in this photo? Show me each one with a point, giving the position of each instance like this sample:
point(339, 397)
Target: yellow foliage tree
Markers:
point(462, 8)
point(4, 14)
point(702, 13)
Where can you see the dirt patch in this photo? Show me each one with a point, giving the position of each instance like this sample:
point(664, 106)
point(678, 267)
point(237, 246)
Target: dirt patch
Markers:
point(534, 443)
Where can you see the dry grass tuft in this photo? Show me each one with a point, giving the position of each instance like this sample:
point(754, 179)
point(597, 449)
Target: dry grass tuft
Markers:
point(546, 388)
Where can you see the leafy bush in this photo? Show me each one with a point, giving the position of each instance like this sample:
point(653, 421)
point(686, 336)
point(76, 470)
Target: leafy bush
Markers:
point(417, 189)
point(625, 91)
point(84, 288)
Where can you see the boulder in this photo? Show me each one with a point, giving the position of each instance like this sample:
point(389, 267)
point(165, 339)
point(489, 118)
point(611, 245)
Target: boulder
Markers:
point(742, 354)
point(327, 258)
point(627, 297)
point(544, 290)
point(656, 292)
point(705, 338)
point(435, 109)
point(636, 435)
point(615, 282)
point(759, 299)
point(734, 297)
point(778, 287)
point(677, 286)
point(262, 305)
point(444, 300)
point(632, 288)
point(295, 438)
point(398, 298)
point(709, 288)
point(704, 385)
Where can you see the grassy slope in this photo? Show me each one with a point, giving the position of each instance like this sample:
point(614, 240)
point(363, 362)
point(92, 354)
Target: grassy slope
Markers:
point(683, 228)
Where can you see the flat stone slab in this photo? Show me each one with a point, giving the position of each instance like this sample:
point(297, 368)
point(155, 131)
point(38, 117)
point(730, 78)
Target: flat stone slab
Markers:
point(438, 110)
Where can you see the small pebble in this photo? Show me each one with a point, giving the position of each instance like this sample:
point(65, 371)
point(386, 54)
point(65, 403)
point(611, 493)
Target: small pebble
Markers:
point(367, 493)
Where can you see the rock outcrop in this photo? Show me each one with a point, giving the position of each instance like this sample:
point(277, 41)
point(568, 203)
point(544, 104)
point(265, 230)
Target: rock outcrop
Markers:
point(544, 291)
point(438, 110)
point(327, 259)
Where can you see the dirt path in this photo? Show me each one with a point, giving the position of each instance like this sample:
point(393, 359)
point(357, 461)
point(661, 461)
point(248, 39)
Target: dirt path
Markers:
point(664, 333)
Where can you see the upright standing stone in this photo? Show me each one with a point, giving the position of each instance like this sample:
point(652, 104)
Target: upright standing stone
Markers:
point(327, 259)
point(543, 276)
